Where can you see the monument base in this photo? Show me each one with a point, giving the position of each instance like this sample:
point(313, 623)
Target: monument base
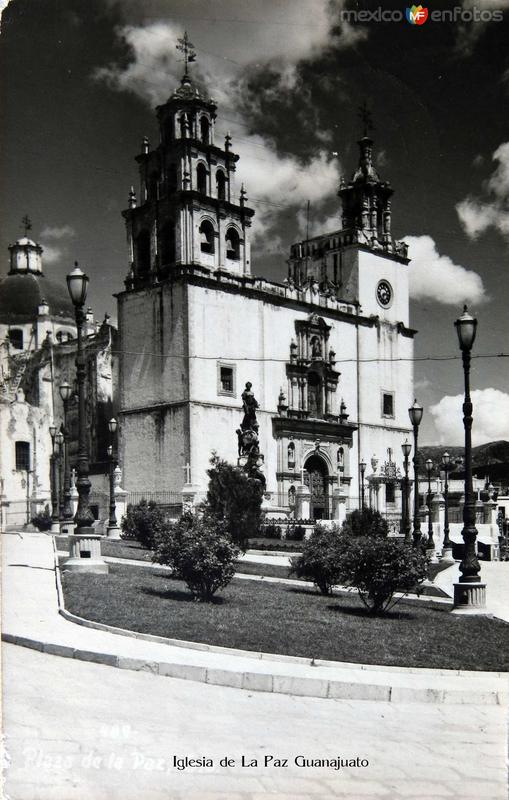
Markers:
point(85, 553)
point(470, 598)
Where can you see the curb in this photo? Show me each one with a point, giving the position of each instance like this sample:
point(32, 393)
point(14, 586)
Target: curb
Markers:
point(263, 682)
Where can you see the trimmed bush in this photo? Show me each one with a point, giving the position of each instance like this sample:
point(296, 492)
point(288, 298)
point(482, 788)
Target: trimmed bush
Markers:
point(42, 520)
point(365, 523)
point(235, 499)
point(320, 559)
point(200, 552)
point(380, 567)
point(144, 522)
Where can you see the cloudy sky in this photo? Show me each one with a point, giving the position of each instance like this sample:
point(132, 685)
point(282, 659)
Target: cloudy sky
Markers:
point(81, 78)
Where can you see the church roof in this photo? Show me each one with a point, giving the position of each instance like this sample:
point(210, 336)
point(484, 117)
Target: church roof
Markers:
point(21, 294)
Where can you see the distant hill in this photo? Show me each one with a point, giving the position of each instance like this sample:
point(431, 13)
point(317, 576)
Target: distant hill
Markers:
point(491, 459)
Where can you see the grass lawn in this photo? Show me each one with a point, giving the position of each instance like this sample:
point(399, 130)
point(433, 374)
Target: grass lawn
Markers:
point(285, 619)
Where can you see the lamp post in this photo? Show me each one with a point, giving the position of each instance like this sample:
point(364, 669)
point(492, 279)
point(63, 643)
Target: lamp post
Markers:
point(469, 592)
point(362, 467)
point(430, 544)
point(406, 448)
point(59, 439)
point(65, 391)
point(113, 530)
point(415, 414)
point(447, 545)
point(85, 546)
point(55, 526)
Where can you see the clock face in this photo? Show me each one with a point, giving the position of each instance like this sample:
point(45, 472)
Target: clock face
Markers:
point(384, 293)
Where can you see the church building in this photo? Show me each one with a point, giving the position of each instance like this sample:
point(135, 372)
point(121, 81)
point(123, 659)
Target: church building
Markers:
point(328, 351)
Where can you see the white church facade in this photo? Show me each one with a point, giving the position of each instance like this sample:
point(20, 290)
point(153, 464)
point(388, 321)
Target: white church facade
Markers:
point(328, 351)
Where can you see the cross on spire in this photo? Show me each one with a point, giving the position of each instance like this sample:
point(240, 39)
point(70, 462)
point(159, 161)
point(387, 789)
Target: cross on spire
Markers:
point(187, 48)
point(366, 119)
point(26, 224)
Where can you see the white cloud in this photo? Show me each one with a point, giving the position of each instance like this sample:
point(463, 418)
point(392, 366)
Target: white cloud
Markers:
point(437, 277)
point(63, 232)
point(51, 254)
point(478, 215)
point(490, 413)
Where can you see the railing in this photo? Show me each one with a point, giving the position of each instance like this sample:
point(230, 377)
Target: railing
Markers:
point(170, 501)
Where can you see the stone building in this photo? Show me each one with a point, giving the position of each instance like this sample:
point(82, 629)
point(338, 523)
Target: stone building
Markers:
point(37, 354)
point(328, 351)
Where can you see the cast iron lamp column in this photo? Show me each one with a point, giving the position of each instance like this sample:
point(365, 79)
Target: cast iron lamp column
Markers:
point(415, 414)
point(406, 448)
point(447, 545)
point(65, 391)
point(362, 467)
point(85, 545)
point(430, 544)
point(55, 524)
point(59, 438)
point(113, 530)
point(469, 592)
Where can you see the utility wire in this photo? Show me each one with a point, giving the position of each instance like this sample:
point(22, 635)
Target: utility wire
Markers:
point(285, 360)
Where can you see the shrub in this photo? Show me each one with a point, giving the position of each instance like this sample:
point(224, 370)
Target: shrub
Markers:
point(272, 531)
point(296, 533)
point(380, 567)
point(234, 498)
point(365, 523)
point(42, 521)
point(143, 522)
point(320, 559)
point(200, 552)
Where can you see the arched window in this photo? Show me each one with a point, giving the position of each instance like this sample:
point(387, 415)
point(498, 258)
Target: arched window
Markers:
point(201, 178)
point(167, 245)
point(204, 130)
point(314, 395)
point(16, 338)
point(143, 252)
point(291, 455)
point(183, 125)
point(232, 244)
point(220, 184)
point(206, 237)
point(172, 178)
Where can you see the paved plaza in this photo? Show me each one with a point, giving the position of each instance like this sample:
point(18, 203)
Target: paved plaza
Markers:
point(76, 729)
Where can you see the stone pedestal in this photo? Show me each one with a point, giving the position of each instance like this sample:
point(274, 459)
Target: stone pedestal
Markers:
point(447, 557)
point(339, 498)
point(470, 598)
point(113, 532)
point(189, 497)
point(67, 527)
point(302, 502)
point(55, 527)
point(85, 553)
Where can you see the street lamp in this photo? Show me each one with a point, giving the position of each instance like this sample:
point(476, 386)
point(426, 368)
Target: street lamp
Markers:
point(77, 284)
point(362, 467)
point(55, 527)
point(406, 448)
point(59, 439)
point(469, 592)
point(415, 414)
point(65, 391)
point(113, 530)
point(447, 545)
point(430, 544)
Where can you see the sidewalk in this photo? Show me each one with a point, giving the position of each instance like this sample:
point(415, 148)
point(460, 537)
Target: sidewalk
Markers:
point(31, 618)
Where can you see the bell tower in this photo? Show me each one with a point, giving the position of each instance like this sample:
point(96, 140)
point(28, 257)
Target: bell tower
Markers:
point(188, 214)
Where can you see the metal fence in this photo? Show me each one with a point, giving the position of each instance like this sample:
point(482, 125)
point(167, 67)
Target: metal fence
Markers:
point(170, 501)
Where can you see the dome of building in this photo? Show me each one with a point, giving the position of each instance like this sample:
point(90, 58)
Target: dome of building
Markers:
point(22, 293)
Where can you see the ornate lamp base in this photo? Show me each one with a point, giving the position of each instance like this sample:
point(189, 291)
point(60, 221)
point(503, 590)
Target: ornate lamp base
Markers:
point(432, 555)
point(470, 598)
point(113, 532)
point(447, 557)
point(85, 553)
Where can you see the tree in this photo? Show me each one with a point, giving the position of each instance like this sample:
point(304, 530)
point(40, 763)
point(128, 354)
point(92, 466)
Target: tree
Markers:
point(378, 568)
point(365, 523)
point(320, 559)
point(200, 552)
point(234, 498)
point(143, 522)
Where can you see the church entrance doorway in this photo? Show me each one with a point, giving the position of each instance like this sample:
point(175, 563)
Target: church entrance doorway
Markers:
point(316, 474)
